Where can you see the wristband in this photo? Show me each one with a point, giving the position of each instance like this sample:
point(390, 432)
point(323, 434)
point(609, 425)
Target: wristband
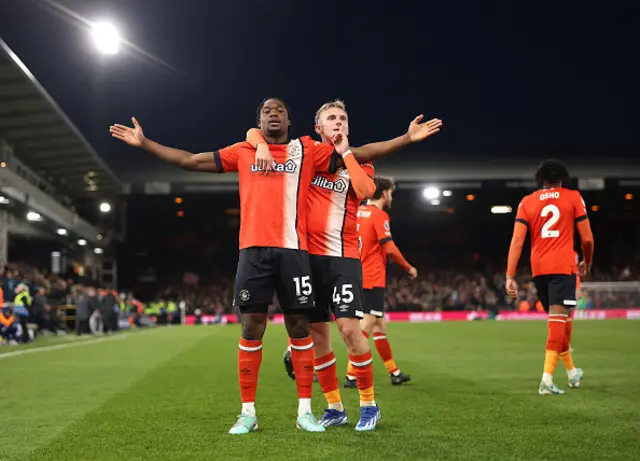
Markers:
point(348, 152)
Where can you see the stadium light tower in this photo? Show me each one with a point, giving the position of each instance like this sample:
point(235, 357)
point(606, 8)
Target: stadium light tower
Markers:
point(431, 193)
point(105, 207)
point(106, 37)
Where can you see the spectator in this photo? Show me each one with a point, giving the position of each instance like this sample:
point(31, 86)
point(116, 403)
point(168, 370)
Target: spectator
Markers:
point(85, 307)
point(10, 284)
point(8, 326)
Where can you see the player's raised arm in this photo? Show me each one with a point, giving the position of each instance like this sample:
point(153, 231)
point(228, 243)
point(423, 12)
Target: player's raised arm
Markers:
point(417, 132)
point(135, 137)
point(362, 184)
point(515, 249)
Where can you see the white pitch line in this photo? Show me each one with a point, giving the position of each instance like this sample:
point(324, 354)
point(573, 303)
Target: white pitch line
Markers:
point(63, 346)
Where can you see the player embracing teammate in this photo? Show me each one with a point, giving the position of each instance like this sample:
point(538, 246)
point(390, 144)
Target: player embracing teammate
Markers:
point(336, 268)
point(274, 246)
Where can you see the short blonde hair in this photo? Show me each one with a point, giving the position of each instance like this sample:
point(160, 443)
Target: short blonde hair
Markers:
point(335, 104)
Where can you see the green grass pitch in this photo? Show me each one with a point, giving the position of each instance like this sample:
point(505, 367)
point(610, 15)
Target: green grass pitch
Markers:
point(171, 393)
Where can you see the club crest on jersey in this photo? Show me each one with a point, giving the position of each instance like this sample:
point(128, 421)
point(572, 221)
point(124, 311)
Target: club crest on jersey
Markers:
point(287, 167)
point(294, 149)
point(342, 172)
point(336, 186)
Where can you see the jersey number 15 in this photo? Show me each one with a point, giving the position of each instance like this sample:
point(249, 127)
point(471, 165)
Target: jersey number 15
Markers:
point(547, 231)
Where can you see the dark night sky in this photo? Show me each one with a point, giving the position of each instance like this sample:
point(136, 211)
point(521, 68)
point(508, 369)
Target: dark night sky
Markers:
point(537, 77)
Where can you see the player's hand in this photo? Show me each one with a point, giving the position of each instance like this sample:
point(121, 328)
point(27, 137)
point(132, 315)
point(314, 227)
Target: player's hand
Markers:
point(413, 273)
point(264, 159)
point(420, 131)
point(584, 269)
point(340, 142)
point(512, 288)
point(132, 136)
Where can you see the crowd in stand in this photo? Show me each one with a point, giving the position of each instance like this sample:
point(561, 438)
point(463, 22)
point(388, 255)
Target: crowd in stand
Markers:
point(454, 290)
point(31, 296)
point(433, 290)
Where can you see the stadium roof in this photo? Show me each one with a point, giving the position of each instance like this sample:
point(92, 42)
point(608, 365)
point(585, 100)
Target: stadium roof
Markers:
point(44, 138)
point(164, 179)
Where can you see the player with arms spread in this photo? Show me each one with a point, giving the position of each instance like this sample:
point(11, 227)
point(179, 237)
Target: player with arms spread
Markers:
point(273, 244)
point(334, 253)
point(551, 214)
point(376, 246)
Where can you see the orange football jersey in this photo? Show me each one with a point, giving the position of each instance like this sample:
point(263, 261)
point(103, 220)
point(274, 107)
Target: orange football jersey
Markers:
point(374, 230)
point(551, 216)
point(273, 208)
point(332, 215)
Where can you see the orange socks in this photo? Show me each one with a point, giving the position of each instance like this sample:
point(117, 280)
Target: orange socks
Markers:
point(325, 367)
point(351, 372)
point(249, 360)
point(384, 350)
point(565, 355)
point(302, 358)
point(569, 329)
point(363, 366)
point(556, 341)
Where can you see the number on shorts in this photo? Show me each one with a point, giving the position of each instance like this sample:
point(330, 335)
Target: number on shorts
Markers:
point(547, 232)
point(303, 285)
point(345, 296)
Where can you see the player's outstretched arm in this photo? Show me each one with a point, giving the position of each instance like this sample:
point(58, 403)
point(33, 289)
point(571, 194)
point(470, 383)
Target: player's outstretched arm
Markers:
point(417, 132)
point(135, 137)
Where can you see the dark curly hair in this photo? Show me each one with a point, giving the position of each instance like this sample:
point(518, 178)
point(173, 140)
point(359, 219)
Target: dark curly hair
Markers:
point(553, 171)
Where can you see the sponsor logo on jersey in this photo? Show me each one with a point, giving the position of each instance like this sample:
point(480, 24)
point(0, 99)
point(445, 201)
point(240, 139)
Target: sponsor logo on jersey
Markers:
point(287, 167)
point(338, 185)
point(343, 172)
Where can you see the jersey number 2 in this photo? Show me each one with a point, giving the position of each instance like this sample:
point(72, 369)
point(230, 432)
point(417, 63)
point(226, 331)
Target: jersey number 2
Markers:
point(547, 232)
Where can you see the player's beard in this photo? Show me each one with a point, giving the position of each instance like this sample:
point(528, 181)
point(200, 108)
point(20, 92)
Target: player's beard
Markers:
point(275, 131)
